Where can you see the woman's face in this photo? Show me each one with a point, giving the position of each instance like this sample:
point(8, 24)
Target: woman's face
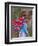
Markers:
point(27, 15)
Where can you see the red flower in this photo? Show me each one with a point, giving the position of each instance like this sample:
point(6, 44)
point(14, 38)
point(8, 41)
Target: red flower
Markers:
point(17, 22)
point(17, 28)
